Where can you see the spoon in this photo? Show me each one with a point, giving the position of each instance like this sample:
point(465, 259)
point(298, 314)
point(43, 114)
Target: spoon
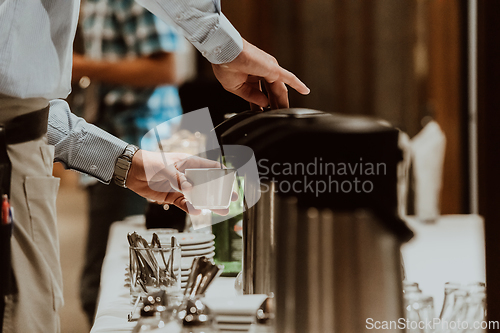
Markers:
point(152, 260)
point(192, 275)
point(196, 285)
point(130, 316)
point(156, 240)
point(142, 273)
point(147, 266)
point(173, 246)
point(203, 272)
point(212, 273)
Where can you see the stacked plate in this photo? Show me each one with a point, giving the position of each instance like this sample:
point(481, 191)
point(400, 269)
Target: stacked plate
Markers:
point(193, 245)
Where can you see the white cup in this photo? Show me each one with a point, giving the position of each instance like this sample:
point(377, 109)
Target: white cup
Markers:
point(212, 188)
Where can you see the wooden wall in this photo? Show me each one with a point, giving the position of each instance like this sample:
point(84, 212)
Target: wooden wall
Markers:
point(445, 87)
point(399, 60)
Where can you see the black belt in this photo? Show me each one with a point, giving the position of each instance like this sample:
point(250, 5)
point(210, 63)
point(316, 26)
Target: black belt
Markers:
point(24, 128)
point(27, 127)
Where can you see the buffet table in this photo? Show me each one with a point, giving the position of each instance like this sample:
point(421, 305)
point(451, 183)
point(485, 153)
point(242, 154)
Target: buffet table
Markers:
point(452, 249)
point(114, 297)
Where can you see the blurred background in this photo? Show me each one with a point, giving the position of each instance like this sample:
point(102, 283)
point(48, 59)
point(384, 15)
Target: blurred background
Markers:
point(404, 61)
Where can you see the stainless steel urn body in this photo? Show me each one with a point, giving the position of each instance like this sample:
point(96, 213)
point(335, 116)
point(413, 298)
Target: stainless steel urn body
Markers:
point(331, 257)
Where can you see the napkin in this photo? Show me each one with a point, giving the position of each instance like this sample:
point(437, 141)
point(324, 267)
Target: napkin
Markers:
point(244, 305)
point(235, 313)
point(428, 149)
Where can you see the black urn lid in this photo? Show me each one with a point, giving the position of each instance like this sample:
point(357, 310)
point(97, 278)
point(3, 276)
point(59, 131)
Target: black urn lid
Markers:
point(335, 161)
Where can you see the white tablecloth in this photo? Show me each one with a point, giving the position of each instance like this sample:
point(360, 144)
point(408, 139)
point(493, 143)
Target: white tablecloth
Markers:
point(114, 299)
point(452, 249)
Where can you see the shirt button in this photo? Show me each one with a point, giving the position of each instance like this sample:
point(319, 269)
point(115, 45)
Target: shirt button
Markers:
point(217, 50)
point(204, 53)
point(93, 167)
point(179, 17)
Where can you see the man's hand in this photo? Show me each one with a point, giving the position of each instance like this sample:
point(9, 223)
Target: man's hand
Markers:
point(160, 177)
point(242, 77)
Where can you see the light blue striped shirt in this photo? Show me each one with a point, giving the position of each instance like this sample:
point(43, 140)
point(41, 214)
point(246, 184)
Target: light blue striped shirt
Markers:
point(36, 42)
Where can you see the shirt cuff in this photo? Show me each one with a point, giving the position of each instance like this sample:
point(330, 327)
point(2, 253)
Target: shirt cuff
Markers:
point(223, 44)
point(97, 155)
point(81, 146)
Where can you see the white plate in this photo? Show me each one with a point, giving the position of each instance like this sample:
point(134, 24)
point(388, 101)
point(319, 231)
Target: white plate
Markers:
point(194, 238)
point(201, 252)
point(161, 232)
point(197, 246)
point(186, 238)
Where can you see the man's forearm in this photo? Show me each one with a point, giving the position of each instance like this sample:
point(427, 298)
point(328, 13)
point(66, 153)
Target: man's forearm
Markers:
point(140, 72)
point(81, 146)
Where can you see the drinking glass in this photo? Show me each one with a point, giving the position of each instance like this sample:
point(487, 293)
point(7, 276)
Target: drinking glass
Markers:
point(463, 308)
point(419, 311)
point(476, 309)
point(154, 269)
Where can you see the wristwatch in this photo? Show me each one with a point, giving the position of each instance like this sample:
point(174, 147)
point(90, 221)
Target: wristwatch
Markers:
point(122, 166)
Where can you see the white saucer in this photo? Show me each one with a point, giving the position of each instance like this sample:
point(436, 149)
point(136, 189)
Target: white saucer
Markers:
point(197, 246)
point(186, 238)
point(200, 252)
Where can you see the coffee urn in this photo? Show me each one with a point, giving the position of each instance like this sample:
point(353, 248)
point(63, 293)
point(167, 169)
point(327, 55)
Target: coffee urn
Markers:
point(325, 236)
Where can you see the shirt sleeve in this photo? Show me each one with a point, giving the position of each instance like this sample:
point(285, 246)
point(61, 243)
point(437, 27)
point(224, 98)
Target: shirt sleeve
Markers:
point(81, 146)
point(202, 24)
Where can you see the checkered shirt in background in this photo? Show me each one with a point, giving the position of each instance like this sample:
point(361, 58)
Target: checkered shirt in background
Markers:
point(121, 29)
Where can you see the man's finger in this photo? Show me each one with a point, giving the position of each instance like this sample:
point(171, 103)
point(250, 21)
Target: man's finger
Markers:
point(290, 79)
point(278, 95)
point(251, 94)
point(165, 180)
point(179, 200)
point(222, 212)
point(182, 182)
point(255, 85)
point(195, 162)
point(255, 107)
point(191, 210)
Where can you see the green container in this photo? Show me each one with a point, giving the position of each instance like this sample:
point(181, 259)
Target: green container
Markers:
point(229, 238)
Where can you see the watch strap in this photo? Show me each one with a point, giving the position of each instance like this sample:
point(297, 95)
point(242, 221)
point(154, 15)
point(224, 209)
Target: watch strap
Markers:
point(123, 164)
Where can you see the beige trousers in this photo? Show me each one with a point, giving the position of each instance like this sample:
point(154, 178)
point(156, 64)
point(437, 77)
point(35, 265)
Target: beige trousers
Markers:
point(35, 244)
